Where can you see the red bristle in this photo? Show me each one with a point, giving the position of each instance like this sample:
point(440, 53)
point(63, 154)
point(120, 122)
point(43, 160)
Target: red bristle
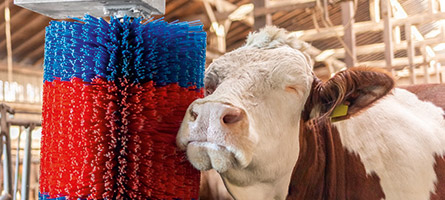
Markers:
point(119, 142)
point(58, 133)
point(53, 148)
point(86, 112)
point(168, 104)
point(104, 165)
point(46, 127)
point(74, 148)
point(135, 128)
point(149, 113)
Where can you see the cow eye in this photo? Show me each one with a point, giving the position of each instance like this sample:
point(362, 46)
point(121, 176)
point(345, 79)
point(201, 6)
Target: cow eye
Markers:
point(291, 89)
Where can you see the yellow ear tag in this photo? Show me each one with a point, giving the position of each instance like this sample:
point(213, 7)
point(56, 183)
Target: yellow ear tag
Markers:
point(340, 111)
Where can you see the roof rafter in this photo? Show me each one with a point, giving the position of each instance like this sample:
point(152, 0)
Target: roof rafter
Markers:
point(286, 6)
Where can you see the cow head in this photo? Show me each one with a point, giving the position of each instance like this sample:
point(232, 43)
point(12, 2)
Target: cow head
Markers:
point(247, 126)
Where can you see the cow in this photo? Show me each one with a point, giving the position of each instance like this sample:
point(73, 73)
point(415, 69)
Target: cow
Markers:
point(273, 130)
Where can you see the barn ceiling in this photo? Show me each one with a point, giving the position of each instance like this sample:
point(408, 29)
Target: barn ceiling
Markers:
point(306, 17)
point(28, 28)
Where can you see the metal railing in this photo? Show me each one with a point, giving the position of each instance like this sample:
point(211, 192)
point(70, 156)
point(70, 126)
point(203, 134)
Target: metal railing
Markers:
point(6, 121)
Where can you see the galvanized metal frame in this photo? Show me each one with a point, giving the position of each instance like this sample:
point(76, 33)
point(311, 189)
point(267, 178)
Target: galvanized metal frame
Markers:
point(60, 9)
point(6, 123)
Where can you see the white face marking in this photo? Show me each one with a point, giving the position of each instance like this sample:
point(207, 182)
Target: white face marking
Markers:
point(397, 138)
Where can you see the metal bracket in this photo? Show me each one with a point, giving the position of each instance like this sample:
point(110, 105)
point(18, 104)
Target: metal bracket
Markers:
point(60, 9)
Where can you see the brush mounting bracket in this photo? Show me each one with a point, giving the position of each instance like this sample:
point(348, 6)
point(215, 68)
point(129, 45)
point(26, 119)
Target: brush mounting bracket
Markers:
point(62, 9)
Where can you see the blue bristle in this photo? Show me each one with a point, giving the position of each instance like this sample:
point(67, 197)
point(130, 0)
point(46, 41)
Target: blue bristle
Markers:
point(102, 54)
point(151, 51)
point(114, 50)
point(47, 63)
point(126, 49)
point(137, 42)
point(45, 196)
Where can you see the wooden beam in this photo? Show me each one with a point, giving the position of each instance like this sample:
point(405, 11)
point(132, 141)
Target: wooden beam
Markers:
point(410, 53)
point(205, 19)
point(278, 3)
point(347, 13)
point(36, 23)
point(8, 40)
point(374, 10)
point(380, 47)
point(427, 65)
point(403, 76)
point(21, 69)
point(419, 19)
point(325, 33)
point(437, 67)
point(261, 11)
point(366, 26)
point(2, 8)
point(2, 5)
point(180, 10)
point(238, 33)
point(35, 55)
point(261, 20)
point(313, 52)
point(227, 9)
point(227, 6)
point(432, 6)
point(14, 17)
point(39, 62)
point(209, 11)
point(414, 33)
point(387, 35)
point(396, 63)
point(442, 5)
point(287, 17)
point(227, 24)
point(22, 46)
point(217, 28)
point(297, 15)
point(235, 31)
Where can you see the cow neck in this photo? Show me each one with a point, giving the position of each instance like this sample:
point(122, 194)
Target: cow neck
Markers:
point(324, 169)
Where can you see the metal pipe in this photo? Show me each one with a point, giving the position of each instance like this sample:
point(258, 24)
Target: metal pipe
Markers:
point(7, 179)
point(27, 112)
point(27, 164)
point(25, 123)
point(8, 109)
point(17, 164)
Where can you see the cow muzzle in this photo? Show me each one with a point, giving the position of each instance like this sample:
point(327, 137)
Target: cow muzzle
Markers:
point(216, 135)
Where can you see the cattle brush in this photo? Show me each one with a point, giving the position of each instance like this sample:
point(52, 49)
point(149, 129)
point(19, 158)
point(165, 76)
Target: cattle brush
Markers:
point(114, 96)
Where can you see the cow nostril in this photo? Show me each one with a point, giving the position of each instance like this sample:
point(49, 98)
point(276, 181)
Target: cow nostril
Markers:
point(232, 117)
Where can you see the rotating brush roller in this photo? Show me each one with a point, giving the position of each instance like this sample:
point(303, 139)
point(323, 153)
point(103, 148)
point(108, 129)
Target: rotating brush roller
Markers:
point(114, 96)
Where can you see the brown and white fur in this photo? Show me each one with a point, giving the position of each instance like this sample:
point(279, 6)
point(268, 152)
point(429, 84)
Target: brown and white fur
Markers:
point(265, 126)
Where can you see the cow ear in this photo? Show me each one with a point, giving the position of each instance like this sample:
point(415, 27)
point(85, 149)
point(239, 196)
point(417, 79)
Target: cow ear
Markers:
point(353, 90)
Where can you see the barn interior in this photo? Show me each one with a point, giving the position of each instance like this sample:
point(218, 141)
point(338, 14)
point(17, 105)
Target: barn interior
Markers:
point(405, 37)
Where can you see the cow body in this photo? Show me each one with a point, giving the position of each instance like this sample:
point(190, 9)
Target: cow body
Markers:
point(387, 152)
point(399, 139)
point(268, 126)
